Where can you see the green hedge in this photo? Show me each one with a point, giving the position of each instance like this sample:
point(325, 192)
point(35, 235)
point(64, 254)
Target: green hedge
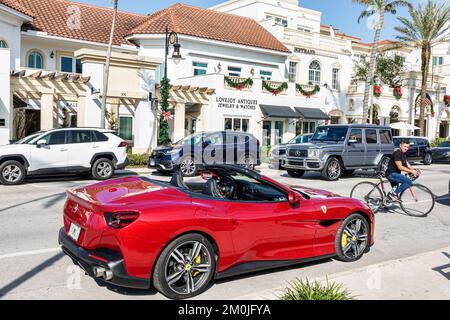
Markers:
point(138, 160)
point(265, 154)
point(438, 141)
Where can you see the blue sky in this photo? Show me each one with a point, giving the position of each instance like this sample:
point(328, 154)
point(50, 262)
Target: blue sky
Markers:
point(342, 14)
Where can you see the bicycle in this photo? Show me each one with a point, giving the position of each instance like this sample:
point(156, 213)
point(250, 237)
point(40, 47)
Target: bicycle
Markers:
point(417, 200)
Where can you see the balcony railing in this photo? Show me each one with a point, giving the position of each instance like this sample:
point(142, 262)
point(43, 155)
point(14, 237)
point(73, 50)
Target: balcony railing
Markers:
point(273, 85)
point(236, 81)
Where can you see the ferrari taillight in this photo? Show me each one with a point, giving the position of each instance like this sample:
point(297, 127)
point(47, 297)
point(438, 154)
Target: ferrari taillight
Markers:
point(118, 220)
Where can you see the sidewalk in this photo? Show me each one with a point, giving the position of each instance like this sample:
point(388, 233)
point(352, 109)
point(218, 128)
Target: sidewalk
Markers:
point(424, 276)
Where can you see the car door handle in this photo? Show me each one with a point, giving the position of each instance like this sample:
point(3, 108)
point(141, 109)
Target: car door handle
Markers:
point(96, 147)
point(63, 150)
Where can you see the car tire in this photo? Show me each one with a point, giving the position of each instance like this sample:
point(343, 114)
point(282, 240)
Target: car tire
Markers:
point(383, 165)
point(352, 250)
point(188, 167)
point(427, 159)
point(332, 170)
point(247, 161)
point(12, 173)
point(169, 265)
point(103, 169)
point(295, 173)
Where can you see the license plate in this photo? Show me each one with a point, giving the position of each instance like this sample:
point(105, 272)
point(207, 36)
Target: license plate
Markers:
point(152, 162)
point(74, 231)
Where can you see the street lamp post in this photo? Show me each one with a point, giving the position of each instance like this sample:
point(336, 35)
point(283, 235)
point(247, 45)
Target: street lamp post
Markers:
point(171, 39)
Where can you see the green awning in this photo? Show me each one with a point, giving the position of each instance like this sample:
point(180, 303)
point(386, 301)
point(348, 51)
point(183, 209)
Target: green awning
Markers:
point(311, 113)
point(278, 111)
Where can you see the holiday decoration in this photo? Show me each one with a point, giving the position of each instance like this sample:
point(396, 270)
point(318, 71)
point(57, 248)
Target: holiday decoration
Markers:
point(398, 93)
point(308, 94)
point(239, 85)
point(274, 91)
point(167, 115)
point(164, 137)
point(377, 91)
point(447, 99)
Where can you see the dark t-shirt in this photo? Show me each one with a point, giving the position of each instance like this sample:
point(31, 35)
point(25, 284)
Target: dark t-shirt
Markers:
point(392, 167)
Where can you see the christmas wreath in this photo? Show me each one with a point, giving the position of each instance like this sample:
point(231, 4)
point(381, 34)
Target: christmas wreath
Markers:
point(308, 94)
point(274, 91)
point(377, 91)
point(447, 99)
point(398, 93)
point(239, 85)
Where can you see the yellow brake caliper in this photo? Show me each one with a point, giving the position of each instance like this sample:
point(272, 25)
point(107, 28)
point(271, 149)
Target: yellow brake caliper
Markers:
point(197, 260)
point(344, 240)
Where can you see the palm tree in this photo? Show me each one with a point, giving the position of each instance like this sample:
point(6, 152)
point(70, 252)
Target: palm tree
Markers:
point(427, 27)
point(375, 7)
point(106, 70)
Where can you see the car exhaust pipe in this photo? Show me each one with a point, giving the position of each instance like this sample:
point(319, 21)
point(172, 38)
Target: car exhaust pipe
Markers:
point(99, 272)
point(108, 275)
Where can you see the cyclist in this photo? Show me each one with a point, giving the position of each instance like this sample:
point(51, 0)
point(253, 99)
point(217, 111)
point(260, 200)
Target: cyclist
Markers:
point(397, 165)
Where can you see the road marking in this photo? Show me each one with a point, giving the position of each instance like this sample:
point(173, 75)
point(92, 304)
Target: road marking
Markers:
point(28, 253)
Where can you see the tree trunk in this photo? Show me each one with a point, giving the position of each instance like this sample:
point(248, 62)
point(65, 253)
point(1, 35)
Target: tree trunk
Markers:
point(368, 90)
point(426, 50)
point(106, 69)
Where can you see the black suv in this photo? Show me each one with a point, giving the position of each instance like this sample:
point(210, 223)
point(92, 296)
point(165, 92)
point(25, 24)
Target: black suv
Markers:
point(191, 153)
point(419, 149)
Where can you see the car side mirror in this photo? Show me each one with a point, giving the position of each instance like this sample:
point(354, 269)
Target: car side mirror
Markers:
point(294, 198)
point(41, 143)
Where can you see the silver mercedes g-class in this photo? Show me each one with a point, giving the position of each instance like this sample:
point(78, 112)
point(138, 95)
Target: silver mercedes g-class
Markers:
point(335, 150)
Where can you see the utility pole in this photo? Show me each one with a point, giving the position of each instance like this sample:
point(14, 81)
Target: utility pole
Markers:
point(106, 70)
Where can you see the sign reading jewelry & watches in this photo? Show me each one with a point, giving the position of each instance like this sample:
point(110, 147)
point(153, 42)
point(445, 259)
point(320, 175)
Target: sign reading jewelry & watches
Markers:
point(235, 103)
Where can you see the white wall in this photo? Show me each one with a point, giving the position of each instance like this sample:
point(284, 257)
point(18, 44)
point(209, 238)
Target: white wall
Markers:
point(5, 97)
point(10, 32)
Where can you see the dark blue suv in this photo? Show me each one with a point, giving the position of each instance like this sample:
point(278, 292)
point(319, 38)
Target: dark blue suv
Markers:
point(191, 153)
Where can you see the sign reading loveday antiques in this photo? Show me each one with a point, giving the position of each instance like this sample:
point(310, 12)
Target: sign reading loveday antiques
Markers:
point(235, 103)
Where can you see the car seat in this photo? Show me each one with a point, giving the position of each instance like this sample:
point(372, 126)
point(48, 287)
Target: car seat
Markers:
point(211, 189)
point(178, 181)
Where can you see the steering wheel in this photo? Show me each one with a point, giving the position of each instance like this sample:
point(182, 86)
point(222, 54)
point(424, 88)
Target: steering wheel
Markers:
point(226, 187)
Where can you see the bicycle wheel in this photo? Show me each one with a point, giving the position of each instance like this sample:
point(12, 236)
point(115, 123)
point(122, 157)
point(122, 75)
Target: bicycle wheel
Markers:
point(417, 201)
point(370, 193)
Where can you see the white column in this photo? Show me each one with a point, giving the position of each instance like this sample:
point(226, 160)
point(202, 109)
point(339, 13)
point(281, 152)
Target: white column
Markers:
point(143, 128)
point(178, 123)
point(91, 117)
point(5, 96)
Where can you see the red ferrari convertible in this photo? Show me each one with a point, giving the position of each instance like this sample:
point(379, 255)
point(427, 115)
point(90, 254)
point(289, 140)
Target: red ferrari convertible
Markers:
point(178, 236)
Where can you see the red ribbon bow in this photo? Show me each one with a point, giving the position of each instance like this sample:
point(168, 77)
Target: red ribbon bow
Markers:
point(275, 92)
point(167, 115)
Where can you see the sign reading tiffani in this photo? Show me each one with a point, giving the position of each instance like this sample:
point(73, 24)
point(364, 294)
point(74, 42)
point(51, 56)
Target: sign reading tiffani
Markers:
point(235, 103)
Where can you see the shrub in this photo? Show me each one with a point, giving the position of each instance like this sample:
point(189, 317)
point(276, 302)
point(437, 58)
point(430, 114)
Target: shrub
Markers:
point(436, 142)
point(265, 152)
point(300, 290)
point(138, 160)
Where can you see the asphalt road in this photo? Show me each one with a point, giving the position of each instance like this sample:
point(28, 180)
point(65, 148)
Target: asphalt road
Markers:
point(33, 267)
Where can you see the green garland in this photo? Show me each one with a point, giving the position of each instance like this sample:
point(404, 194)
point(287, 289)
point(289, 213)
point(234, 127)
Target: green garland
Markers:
point(239, 85)
point(307, 94)
point(275, 91)
point(164, 136)
point(398, 92)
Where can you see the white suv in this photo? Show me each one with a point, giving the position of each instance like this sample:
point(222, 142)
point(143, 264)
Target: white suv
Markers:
point(82, 151)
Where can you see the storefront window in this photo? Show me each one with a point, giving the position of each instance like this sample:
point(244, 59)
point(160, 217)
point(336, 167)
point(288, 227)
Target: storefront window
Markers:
point(70, 65)
point(305, 127)
point(279, 130)
point(267, 130)
point(237, 124)
point(265, 75)
point(126, 128)
point(234, 71)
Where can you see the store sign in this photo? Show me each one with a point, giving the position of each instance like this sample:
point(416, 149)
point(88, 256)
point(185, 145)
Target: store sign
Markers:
point(305, 51)
point(67, 104)
point(235, 103)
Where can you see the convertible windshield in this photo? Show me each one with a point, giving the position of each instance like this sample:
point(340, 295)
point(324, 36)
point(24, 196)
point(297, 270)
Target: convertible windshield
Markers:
point(192, 139)
point(330, 134)
point(27, 139)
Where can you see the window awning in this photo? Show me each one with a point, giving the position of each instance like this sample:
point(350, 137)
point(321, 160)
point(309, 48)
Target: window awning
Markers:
point(311, 113)
point(278, 111)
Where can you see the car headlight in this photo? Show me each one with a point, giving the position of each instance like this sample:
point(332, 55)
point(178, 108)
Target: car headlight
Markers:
point(174, 152)
point(313, 153)
point(274, 151)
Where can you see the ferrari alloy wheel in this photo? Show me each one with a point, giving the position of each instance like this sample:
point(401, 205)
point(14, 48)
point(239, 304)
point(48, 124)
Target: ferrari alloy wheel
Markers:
point(185, 267)
point(103, 169)
point(12, 173)
point(332, 170)
point(352, 239)
point(188, 167)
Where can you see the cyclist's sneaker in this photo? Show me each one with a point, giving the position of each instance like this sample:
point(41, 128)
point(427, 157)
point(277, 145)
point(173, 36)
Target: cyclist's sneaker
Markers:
point(393, 197)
